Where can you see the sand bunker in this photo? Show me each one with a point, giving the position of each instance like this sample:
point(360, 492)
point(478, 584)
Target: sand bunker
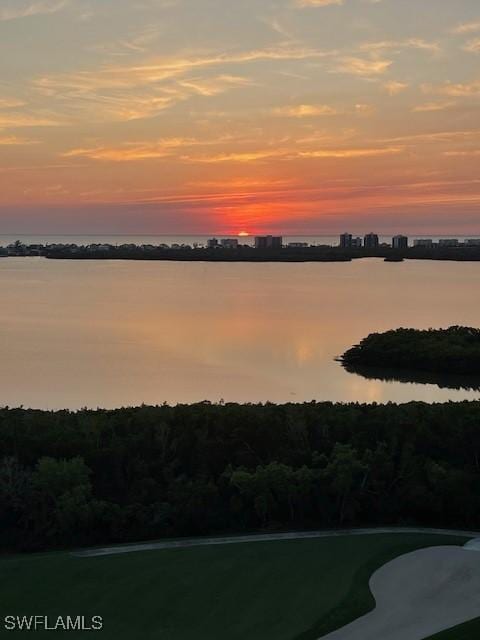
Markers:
point(420, 594)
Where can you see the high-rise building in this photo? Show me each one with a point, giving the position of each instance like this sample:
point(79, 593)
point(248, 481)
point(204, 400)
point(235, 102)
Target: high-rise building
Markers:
point(212, 243)
point(346, 240)
point(268, 242)
point(400, 242)
point(229, 243)
point(423, 242)
point(371, 241)
point(448, 242)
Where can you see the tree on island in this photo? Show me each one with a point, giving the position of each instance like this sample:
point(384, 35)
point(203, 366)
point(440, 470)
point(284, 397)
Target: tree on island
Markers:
point(455, 350)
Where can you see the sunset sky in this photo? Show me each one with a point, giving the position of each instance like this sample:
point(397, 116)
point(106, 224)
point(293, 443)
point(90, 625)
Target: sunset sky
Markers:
point(222, 116)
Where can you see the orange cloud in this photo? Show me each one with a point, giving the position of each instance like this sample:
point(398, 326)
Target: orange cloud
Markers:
point(318, 3)
point(409, 43)
point(467, 27)
point(433, 106)
point(470, 152)
point(246, 156)
point(306, 111)
point(22, 9)
point(131, 151)
point(17, 120)
point(472, 46)
point(362, 66)
point(15, 140)
point(394, 87)
point(459, 90)
point(351, 153)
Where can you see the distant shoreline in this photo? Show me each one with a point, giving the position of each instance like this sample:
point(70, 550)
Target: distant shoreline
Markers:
point(244, 254)
point(231, 251)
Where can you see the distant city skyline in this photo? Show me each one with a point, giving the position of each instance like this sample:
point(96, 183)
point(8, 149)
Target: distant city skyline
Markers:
point(216, 117)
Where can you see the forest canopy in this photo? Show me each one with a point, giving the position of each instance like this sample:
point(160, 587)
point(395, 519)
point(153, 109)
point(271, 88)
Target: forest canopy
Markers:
point(455, 350)
point(92, 477)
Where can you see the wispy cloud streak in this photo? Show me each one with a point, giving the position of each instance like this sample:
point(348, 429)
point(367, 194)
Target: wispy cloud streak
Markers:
point(19, 9)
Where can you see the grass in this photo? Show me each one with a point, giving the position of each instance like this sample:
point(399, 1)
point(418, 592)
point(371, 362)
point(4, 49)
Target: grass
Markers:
point(289, 590)
point(468, 631)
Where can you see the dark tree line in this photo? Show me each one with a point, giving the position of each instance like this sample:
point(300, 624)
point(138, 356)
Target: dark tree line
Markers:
point(455, 350)
point(249, 254)
point(108, 476)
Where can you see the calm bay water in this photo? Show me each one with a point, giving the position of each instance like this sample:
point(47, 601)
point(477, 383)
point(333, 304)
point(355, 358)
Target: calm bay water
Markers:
point(117, 333)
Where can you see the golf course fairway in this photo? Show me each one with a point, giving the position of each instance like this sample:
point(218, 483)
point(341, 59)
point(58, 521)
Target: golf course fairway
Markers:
point(282, 590)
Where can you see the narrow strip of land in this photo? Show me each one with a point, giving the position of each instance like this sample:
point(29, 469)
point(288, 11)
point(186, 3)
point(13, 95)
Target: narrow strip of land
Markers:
point(183, 543)
point(250, 254)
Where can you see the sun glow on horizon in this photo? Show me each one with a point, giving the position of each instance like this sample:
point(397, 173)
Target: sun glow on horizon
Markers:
point(288, 117)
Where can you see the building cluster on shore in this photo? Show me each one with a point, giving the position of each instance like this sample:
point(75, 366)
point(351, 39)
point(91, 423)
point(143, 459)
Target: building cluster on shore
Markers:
point(20, 249)
point(347, 241)
point(372, 241)
point(268, 243)
point(261, 242)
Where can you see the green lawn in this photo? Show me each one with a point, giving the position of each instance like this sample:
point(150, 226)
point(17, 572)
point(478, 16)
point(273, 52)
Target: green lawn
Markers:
point(468, 631)
point(290, 590)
